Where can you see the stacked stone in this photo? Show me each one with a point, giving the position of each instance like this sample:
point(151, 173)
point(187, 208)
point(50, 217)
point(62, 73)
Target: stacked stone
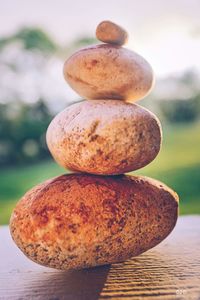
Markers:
point(94, 217)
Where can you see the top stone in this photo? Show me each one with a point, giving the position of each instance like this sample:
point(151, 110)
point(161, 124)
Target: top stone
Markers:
point(111, 33)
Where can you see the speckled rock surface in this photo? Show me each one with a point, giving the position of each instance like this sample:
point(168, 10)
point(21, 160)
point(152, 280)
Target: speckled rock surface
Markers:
point(109, 72)
point(104, 137)
point(109, 32)
point(79, 220)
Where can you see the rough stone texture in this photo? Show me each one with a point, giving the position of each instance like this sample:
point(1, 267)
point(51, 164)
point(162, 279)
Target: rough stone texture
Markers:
point(169, 271)
point(78, 220)
point(109, 32)
point(104, 137)
point(109, 72)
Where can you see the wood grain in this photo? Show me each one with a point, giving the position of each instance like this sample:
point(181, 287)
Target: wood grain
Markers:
point(169, 271)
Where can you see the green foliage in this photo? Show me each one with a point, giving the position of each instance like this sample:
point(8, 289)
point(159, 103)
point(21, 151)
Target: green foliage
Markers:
point(85, 41)
point(22, 129)
point(32, 38)
point(179, 111)
point(35, 38)
point(177, 165)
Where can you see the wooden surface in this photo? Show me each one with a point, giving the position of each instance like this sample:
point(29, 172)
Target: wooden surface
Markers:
point(169, 271)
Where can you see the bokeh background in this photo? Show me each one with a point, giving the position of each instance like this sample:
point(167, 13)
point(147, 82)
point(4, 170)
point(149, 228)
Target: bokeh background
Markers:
point(35, 39)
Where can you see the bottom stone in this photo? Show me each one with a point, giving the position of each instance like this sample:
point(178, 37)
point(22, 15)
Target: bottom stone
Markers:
point(78, 220)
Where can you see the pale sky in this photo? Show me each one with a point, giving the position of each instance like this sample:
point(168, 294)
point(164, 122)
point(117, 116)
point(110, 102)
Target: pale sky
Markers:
point(166, 33)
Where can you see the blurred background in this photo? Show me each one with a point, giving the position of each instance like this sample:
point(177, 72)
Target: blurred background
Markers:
point(35, 39)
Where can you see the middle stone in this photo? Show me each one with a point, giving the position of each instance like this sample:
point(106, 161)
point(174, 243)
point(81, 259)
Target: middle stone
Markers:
point(106, 137)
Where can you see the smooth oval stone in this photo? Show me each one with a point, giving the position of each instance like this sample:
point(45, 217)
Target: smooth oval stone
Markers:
point(104, 137)
point(79, 221)
point(109, 72)
point(109, 32)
